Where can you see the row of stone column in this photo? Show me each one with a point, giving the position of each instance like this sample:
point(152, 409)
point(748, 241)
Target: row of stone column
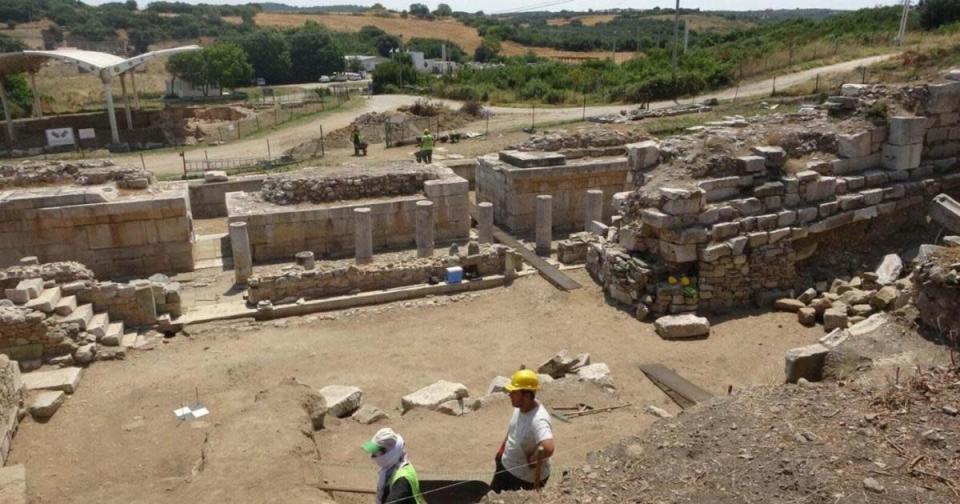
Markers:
point(425, 219)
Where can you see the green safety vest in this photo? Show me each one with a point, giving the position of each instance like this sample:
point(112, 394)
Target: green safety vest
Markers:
point(427, 142)
point(407, 471)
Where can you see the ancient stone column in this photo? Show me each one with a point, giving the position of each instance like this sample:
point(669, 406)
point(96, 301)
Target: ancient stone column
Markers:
point(544, 223)
point(593, 205)
point(305, 259)
point(425, 225)
point(362, 235)
point(485, 222)
point(242, 257)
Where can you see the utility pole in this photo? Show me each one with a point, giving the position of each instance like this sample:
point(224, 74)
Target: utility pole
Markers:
point(903, 23)
point(676, 37)
point(686, 35)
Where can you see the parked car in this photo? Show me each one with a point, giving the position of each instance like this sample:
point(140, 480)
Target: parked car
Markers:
point(340, 77)
point(324, 78)
point(353, 76)
point(261, 81)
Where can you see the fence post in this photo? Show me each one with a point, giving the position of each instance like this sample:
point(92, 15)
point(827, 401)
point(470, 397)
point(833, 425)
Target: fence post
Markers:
point(584, 118)
point(323, 148)
point(269, 155)
point(533, 117)
point(220, 132)
point(817, 89)
point(238, 130)
point(206, 158)
point(864, 78)
point(183, 157)
point(774, 93)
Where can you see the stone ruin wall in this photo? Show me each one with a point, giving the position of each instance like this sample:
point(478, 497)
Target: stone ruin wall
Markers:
point(936, 284)
point(739, 239)
point(279, 232)
point(289, 286)
point(290, 190)
point(82, 173)
point(513, 190)
point(113, 236)
point(28, 333)
point(11, 400)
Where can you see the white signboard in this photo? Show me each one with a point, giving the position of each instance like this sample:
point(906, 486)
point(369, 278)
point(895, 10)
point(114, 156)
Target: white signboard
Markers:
point(87, 134)
point(57, 137)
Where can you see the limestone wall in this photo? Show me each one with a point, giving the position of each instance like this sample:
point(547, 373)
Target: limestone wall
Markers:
point(113, 235)
point(349, 278)
point(208, 200)
point(513, 190)
point(11, 399)
point(279, 232)
point(741, 236)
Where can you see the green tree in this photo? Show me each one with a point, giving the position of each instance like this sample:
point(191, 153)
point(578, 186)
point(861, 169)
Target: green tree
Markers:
point(393, 74)
point(269, 53)
point(222, 64)
point(936, 13)
point(419, 10)
point(487, 51)
point(313, 53)
point(443, 10)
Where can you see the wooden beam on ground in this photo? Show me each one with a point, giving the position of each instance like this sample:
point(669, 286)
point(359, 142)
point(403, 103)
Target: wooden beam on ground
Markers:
point(547, 270)
point(678, 388)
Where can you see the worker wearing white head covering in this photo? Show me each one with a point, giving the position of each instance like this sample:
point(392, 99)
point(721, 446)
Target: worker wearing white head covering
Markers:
point(397, 481)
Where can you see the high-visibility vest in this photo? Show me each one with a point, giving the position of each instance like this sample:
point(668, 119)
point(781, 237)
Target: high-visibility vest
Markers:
point(407, 471)
point(427, 142)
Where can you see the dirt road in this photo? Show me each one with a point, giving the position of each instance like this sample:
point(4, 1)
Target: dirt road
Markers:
point(505, 118)
point(116, 439)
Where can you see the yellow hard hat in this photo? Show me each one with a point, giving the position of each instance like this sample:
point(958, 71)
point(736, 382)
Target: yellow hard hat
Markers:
point(426, 131)
point(524, 379)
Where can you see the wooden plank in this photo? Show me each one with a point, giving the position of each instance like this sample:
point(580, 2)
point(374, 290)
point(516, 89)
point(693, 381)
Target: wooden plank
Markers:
point(681, 390)
point(547, 270)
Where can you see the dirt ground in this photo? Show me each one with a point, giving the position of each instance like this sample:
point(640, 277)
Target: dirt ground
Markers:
point(116, 439)
point(884, 430)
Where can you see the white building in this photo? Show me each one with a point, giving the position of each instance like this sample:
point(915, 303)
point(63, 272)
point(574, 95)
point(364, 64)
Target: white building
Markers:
point(367, 63)
point(184, 89)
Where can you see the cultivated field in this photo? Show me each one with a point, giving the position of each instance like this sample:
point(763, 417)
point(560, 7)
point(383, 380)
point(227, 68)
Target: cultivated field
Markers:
point(449, 29)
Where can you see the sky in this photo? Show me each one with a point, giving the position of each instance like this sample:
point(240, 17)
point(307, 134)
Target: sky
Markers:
point(494, 6)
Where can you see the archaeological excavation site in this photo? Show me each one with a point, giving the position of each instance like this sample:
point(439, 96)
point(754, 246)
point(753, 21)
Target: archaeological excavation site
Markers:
point(758, 308)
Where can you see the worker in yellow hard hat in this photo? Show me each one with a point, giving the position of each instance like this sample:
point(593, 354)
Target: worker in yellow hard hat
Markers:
point(426, 147)
point(523, 462)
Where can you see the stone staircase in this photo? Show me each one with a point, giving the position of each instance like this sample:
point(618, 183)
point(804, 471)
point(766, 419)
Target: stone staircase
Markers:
point(95, 327)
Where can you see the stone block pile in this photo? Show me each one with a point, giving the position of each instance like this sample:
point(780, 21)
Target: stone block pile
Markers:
point(848, 302)
point(936, 283)
point(584, 142)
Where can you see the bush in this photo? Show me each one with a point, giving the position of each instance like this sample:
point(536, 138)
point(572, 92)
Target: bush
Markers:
point(472, 108)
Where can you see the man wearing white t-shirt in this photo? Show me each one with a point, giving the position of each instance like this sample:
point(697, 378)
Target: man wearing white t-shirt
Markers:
point(529, 442)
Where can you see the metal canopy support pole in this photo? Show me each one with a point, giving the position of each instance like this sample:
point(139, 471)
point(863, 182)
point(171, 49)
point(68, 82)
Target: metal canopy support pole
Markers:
point(133, 84)
point(107, 79)
point(6, 111)
point(126, 101)
point(37, 107)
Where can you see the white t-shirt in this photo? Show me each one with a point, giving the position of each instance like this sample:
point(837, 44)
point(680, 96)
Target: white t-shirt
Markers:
point(526, 432)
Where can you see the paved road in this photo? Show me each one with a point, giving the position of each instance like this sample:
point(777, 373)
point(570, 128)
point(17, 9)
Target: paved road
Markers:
point(286, 138)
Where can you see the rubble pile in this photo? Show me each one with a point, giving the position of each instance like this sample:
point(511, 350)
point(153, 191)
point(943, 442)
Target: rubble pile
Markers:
point(32, 173)
point(60, 272)
point(848, 302)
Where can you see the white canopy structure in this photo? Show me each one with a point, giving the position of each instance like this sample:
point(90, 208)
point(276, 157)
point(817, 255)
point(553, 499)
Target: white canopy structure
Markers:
point(106, 65)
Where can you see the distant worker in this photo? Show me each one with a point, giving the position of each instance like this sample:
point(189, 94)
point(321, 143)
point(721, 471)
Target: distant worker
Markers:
point(426, 147)
point(523, 462)
point(358, 144)
point(397, 482)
